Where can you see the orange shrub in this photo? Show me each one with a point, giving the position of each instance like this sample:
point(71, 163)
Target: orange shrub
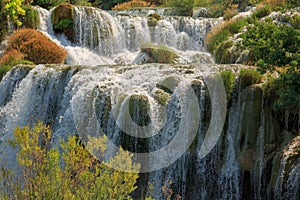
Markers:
point(10, 57)
point(131, 4)
point(36, 47)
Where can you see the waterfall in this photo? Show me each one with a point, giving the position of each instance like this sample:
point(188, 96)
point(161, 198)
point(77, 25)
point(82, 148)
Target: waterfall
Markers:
point(159, 112)
point(101, 38)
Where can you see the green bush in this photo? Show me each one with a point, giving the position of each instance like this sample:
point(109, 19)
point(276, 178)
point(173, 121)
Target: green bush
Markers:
point(249, 77)
point(45, 173)
point(288, 90)
point(272, 45)
point(261, 12)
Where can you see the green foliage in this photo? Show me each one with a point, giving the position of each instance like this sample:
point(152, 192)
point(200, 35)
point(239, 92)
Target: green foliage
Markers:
point(228, 80)
point(182, 7)
point(64, 24)
point(31, 18)
point(222, 33)
point(261, 12)
point(45, 174)
point(14, 9)
point(272, 45)
point(288, 90)
point(249, 77)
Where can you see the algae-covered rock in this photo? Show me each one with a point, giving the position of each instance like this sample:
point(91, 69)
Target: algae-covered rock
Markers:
point(159, 54)
point(153, 19)
point(161, 97)
point(63, 20)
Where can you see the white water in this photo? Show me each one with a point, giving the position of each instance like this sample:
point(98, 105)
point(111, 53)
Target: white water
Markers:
point(105, 39)
point(90, 99)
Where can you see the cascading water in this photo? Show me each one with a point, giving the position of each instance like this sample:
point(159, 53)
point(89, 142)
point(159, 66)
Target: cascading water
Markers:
point(105, 39)
point(114, 99)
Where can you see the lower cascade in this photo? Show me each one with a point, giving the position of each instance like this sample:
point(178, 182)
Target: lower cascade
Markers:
point(168, 115)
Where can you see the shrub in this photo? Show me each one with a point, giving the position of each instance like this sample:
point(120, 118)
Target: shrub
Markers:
point(131, 4)
point(159, 54)
point(272, 45)
point(288, 90)
point(261, 12)
point(36, 47)
point(74, 174)
point(249, 77)
point(10, 59)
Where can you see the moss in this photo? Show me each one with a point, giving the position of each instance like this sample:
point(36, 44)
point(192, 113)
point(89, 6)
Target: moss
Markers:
point(159, 54)
point(161, 97)
point(228, 80)
point(138, 109)
point(63, 20)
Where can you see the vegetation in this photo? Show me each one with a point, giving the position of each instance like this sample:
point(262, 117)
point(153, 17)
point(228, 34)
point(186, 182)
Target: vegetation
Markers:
point(159, 54)
point(131, 4)
point(182, 7)
point(9, 60)
point(36, 47)
point(13, 9)
point(45, 173)
point(288, 90)
point(249, 77)
point(222, 33)
point(228, 80)
point(272, 45)
point(31, 19)
point(63, 20)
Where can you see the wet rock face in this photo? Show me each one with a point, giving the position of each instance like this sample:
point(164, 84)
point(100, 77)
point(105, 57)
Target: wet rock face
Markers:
point(63, 20)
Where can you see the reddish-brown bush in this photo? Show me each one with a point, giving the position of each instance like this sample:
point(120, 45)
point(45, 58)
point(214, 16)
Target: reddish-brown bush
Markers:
point(10, 57)
point(36, 47)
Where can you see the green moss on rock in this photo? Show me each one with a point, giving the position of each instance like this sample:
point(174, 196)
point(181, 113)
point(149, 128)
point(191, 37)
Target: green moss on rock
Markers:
point(63, 20)
point(159, 54)
point(161, 97)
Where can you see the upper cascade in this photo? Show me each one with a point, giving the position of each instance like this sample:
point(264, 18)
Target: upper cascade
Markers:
point(101, 38)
